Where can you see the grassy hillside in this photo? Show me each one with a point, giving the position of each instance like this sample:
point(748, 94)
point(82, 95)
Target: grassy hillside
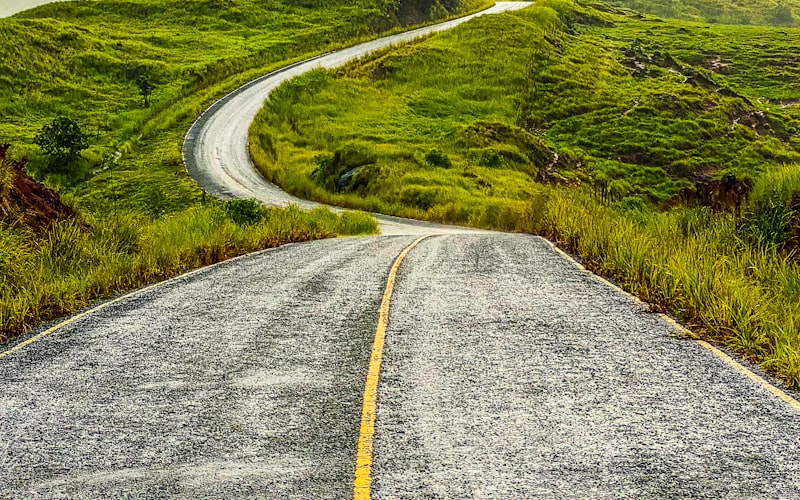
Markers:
point(757, 12)
point(633, 142)
point(82, 60)
point(140, 218)
point(643, 109)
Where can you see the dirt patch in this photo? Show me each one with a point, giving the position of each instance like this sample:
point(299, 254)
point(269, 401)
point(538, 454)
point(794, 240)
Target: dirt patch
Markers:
point(27, 202)
point(725, 194)
point(719, 65)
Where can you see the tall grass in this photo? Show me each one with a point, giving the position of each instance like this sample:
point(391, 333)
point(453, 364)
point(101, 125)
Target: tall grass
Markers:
point(692, 264)
point(77, 262)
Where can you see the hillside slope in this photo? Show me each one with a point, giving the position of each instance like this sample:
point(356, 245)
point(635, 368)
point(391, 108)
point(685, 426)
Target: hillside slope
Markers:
point(662, 153)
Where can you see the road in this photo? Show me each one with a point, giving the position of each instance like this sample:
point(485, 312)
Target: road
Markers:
point(507, 372)
point(216, 151)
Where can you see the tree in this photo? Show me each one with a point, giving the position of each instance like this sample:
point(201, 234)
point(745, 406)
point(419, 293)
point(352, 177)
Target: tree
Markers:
point(145, 88)
point(62, 140)
point(781, 15)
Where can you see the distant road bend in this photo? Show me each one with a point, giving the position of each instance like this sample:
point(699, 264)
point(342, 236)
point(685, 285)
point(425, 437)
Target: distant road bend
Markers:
point(472, 365)
point(216, 151)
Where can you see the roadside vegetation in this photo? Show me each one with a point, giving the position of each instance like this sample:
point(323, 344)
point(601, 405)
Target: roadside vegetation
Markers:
point(662, 153)
point(95, 99)
point(74, 262)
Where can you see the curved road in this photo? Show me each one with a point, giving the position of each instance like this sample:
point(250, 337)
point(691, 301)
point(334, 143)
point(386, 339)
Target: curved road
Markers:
point(508, 372)
point(216, 151)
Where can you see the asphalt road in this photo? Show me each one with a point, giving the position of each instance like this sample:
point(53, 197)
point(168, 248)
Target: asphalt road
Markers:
point(508, 373)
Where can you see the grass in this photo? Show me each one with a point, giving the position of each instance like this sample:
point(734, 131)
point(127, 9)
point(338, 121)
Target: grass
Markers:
point(76, 262)
point(693, 264)
point(633, 108)
point(755, 12)
point(602, 130)
point(82, 60)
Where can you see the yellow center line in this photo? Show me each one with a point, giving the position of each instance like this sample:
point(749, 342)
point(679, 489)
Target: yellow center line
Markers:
point(363, 476)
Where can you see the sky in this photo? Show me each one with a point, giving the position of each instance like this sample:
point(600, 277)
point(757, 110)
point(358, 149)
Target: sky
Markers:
point(9, 7)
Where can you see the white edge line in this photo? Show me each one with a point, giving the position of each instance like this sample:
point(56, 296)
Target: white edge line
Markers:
point(719, 353)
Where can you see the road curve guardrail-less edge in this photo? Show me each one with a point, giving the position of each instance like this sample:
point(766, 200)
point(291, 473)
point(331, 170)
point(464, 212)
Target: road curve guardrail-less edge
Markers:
point(216, 150)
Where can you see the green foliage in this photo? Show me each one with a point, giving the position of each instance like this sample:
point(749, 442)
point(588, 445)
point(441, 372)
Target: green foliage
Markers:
point(76, 262)
point(780, 13)
point(632, 107)
point(244, 212)
point(92, 60)
point(145, 89)
point(772, 220)
point(62, 139)
point(692, 264)
point(438, 158)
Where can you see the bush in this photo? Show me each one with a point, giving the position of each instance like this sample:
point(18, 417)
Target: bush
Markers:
point(421, 197)
point(438, 158)
point(491, 158)
point(245, 212)
point(62, 140)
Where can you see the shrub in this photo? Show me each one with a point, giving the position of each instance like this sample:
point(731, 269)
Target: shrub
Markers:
point(245, 212)
point(438, 158)
point(62, 140)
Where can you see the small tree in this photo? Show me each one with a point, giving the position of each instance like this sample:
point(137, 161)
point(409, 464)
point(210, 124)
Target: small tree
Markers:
point(145, 89)
point(62, 140)
point(781, 15)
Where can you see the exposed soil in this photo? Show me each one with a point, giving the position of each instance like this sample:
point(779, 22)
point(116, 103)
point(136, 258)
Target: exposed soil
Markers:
point(725, 194)
point(29, 203)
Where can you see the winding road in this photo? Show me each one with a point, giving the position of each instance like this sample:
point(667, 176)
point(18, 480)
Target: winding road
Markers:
point(501, 369)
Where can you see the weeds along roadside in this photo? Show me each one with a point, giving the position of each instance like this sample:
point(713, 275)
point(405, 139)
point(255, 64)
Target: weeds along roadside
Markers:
point(433, 131)
point(78, 261)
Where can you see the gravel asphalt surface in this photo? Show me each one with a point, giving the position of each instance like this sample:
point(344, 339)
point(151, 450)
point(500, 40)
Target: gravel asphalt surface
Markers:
point(508, 373)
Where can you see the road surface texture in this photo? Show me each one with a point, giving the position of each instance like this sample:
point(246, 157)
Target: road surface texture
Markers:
point(216, 151)
point(508, 373)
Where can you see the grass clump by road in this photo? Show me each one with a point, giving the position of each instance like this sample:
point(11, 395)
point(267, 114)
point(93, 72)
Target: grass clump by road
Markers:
point(133, 75)
point(662, 153)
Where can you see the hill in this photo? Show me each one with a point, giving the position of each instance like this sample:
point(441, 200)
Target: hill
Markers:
point(663, 153)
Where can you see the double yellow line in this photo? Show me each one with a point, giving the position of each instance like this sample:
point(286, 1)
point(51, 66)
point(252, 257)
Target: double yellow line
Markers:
point(363, 478)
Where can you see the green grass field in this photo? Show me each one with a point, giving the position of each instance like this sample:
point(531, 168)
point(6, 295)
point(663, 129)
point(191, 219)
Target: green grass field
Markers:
point(590, 125)
point(756, 12)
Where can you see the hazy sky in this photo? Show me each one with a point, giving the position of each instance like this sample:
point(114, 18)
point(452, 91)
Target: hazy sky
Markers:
point(9, 7)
